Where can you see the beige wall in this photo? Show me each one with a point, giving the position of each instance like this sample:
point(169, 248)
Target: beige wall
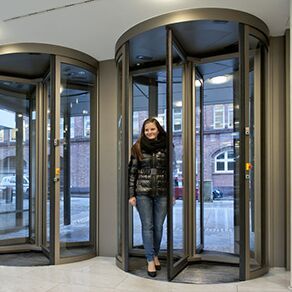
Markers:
point(107, 159)
point(288, 148)
point(275, 143)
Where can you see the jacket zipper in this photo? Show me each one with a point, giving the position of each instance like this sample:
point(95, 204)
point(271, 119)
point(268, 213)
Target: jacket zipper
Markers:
point(154, 175)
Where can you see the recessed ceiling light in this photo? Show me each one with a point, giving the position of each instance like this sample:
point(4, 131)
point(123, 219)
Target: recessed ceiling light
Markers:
point(197, 83)
point(219, 79)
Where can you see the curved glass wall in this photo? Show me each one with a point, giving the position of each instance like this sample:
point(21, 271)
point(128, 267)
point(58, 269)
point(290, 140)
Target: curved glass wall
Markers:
point(48, 152)
point(203, 79)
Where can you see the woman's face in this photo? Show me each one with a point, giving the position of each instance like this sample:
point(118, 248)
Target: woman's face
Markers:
point(151, 131)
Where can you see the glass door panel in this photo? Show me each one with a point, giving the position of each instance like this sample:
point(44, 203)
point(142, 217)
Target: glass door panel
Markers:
point(218, 155)
point(148, 100)
point(177, 170)
point(47, 198)
point(256, 229)
point(199, 234)
point(123, 158)
point(119, 159)
point(16, 105)
point(75, 136)
point(177, 259)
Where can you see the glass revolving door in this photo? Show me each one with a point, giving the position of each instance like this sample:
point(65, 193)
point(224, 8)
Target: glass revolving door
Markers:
point(48, 112)
point(209, 96)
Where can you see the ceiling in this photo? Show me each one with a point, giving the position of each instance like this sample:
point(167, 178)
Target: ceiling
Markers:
point(94, 26)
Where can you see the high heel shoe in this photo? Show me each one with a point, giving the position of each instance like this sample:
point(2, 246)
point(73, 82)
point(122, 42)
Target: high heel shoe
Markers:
point(151, 274)
point(158, 267)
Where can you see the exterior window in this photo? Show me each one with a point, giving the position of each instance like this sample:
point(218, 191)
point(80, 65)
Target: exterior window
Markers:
point(219, 116)
point(136, 128)
point(13, 135)
point(230, 116)
point(72, 127)
point(86, 126)
point(162, 119)
point(177, 119)
point(2, 135)
point(25, 129)
point(224, 162)
point(61, 128)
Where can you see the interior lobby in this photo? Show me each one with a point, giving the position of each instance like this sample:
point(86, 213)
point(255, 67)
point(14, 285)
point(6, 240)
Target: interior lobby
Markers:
point(77, 80)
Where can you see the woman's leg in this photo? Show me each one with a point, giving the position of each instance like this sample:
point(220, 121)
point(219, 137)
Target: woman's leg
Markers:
point(160, 210)
point(145, 210)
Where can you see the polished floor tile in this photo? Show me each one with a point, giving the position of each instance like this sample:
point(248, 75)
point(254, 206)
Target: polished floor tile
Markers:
point(101, 275)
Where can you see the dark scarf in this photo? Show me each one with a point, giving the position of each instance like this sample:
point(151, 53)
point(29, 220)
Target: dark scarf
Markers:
point(150, 146)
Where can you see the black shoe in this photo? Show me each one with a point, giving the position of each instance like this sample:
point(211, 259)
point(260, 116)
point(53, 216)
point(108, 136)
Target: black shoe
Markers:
point(158, 267)
point(151, 274)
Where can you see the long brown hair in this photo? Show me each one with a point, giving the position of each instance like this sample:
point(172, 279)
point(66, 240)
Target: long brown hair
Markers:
point(136, 148)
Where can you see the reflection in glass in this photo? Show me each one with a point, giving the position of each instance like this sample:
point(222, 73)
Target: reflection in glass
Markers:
point(15, 200)
point(119, 156)
point(47, 93)
point(218, 154)
point(255, 202)
point(198, 203)
point(177, 174)
point(76, 86)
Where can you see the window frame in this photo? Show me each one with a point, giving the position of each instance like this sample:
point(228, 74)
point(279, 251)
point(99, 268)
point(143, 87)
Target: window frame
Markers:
point(219, 108)
point(225, 160)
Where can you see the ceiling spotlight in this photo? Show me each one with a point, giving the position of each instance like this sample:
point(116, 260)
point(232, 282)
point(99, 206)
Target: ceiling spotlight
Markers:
point(143, 58)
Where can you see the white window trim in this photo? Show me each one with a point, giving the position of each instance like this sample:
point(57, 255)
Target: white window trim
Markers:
point(136, 128)
point(2, 135)
point(177, 116)
point(230, 123)
point(11, 133)
point(219, 108)
point(225, 160)
point(85, 118)
point(72, 127)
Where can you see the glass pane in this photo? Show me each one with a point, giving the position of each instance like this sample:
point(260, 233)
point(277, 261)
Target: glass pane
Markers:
point(255, 202)
point(119, 157)
point(177, 142)
point(219, 184)
point(15, 123)
point(75, 200)
point(149, 100)
point(230, 166)
point(220, 166)
point(230, 154)
point(47, 93)
point(198, 203)
point(221, 156)
point(30, 133)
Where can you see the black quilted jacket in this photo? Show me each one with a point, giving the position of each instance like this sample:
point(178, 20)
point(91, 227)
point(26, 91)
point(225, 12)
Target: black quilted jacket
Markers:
point(148, 176)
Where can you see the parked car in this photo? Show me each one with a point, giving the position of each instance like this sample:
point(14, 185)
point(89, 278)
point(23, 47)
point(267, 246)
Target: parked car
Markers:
point(217, 194)
point(10, 182)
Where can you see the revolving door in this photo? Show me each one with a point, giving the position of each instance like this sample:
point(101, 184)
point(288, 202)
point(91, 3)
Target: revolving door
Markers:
point(203, 78)
point(48, 153)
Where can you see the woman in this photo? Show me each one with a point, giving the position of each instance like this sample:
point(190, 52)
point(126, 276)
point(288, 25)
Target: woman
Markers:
point(148, 187)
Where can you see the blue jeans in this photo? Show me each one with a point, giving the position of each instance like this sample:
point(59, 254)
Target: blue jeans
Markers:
point(152, 212)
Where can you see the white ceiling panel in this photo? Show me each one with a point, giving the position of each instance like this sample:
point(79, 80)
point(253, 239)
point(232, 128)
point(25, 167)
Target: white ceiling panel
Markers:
point(94, 27)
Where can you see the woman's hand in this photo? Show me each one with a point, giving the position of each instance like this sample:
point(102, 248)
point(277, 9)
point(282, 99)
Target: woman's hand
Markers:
point(132, 201)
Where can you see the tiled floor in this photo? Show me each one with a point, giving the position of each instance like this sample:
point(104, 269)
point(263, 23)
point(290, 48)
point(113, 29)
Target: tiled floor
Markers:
point(101, 275)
